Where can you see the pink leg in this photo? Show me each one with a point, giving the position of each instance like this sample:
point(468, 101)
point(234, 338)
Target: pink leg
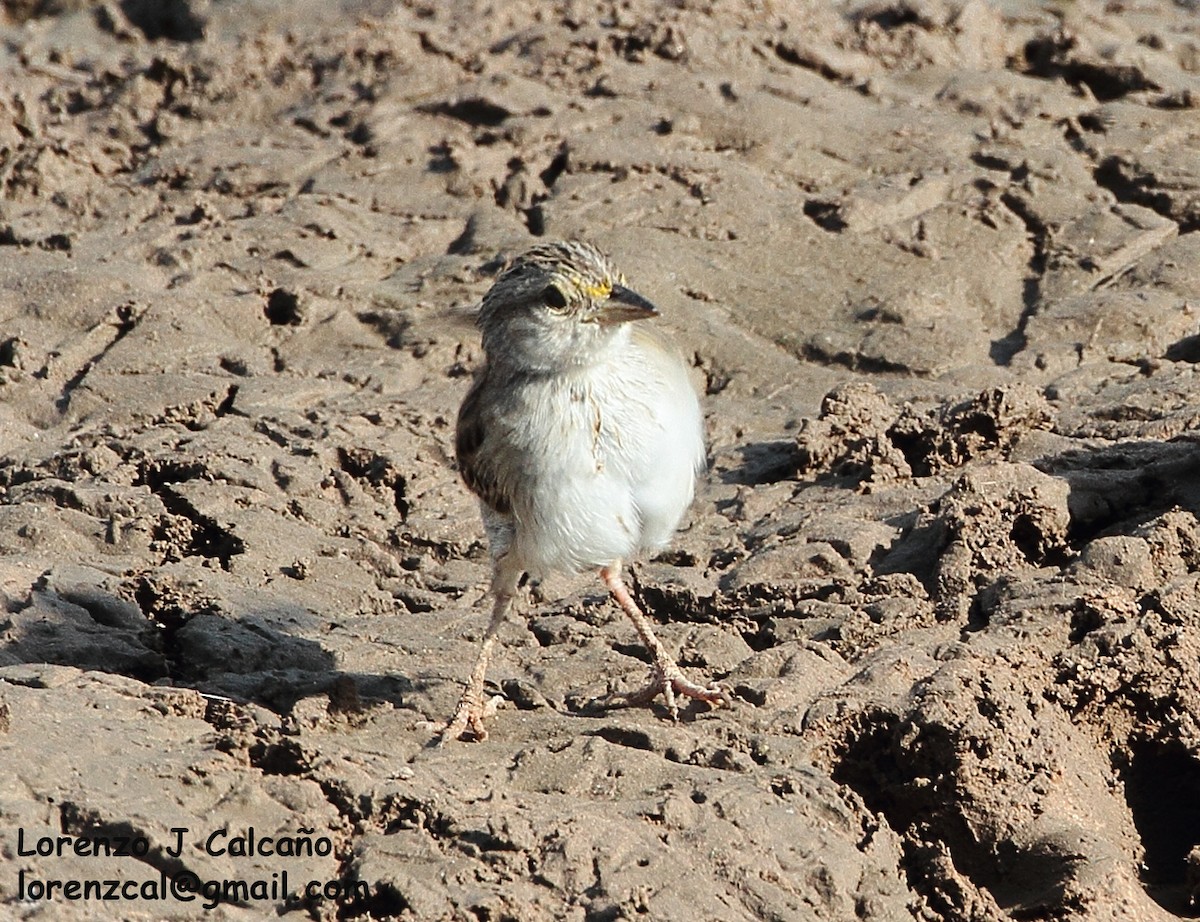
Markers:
point(472, 709)
point(668, 679)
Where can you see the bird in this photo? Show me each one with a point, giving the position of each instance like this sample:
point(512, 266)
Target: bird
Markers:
point(582, 437)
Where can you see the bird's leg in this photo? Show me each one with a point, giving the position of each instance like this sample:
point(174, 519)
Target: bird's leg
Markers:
point(668, 679)
point(472, 709)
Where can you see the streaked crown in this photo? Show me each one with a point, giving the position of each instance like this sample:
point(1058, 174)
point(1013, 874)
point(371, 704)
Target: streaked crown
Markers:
point(567, 277)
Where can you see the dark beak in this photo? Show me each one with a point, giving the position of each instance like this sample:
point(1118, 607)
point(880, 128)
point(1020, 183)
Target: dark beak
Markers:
point(624, 305)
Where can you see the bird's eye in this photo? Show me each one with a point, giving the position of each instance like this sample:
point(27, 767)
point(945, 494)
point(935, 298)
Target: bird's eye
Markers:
point(554, 298)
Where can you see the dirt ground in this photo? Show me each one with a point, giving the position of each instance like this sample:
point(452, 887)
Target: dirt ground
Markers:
point(937, 266)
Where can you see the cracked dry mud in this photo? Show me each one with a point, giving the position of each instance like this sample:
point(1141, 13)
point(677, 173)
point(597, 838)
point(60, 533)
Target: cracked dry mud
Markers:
point(937, 264)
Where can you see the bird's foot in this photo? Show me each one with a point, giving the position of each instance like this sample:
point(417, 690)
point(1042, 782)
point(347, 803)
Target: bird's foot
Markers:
point(467, 722)
point(668, 680)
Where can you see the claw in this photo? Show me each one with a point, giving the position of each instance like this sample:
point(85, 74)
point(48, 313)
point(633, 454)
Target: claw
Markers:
point(467, 722)
point(668, 680)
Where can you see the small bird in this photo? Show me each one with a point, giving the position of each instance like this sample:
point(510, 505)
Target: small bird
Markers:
point(582, 437)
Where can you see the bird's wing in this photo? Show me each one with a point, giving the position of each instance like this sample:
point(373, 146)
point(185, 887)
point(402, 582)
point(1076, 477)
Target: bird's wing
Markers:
point(469, 436)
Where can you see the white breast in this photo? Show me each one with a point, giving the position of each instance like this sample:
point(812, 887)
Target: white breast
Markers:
point(612, 456)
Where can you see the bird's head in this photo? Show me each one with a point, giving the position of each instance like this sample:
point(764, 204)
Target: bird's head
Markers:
point(558, 305)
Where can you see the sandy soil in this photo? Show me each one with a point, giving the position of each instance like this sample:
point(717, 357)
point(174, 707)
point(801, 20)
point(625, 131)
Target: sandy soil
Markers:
point(937, 265)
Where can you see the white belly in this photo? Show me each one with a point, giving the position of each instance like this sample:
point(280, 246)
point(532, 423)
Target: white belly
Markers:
point(615, 465)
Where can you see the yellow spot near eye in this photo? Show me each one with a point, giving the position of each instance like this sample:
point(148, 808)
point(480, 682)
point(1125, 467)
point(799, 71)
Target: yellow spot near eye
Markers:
point(594, 290)
point(603, 290)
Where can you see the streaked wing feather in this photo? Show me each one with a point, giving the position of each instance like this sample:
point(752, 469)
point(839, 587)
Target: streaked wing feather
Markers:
point(469, 436)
